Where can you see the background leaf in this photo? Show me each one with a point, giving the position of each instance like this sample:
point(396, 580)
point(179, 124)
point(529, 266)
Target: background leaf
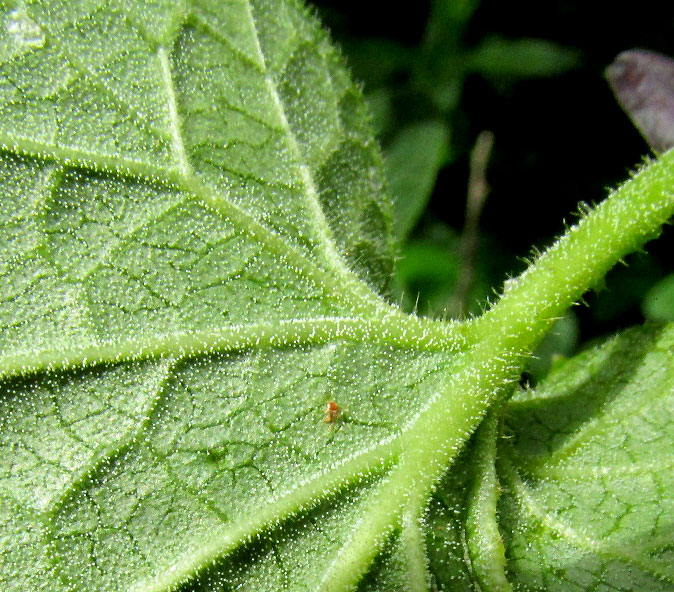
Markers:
point(659, 302)
point(414, 158)
point(522, 58)
point(586, 470)
point(643, 82)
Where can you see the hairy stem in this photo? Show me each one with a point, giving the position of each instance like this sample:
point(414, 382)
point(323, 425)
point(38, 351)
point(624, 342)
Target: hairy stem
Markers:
point(632, 215)
point(503, 337)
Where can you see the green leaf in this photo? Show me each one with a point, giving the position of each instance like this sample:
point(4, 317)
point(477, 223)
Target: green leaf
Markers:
point(414, 158)
point(521, 58)
point(561, 341)
point(587, 472)
point(194, 242)
point(188, 225)
point(658, 305)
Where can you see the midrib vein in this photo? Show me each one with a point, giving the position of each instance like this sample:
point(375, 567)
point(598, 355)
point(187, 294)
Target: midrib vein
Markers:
point(410, 333)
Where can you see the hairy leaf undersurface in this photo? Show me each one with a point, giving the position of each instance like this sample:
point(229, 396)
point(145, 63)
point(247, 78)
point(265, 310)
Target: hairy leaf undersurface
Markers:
point(194, 243)
point(587, 470)
point(192, 213)
point(576, 493)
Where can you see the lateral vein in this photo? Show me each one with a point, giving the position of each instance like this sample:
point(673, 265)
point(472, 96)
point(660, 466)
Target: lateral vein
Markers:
point(415, 334)
point(176, 139)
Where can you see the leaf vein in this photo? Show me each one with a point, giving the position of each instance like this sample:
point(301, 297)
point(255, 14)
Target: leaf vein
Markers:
point(580, 540)
point(177, 143)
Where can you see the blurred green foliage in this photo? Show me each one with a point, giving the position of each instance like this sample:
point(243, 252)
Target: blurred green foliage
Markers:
point(658, 305)
point(447, 69)
point(414, 157)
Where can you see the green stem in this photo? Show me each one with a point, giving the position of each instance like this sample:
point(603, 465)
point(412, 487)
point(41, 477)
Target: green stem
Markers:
point(503, 337)
point(497, 345)
point(632, 215)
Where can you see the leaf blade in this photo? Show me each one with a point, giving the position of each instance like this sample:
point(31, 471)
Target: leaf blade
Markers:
point(587, 477)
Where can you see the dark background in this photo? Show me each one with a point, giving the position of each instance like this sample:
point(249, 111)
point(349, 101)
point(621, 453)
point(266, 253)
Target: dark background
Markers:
point(560, 136)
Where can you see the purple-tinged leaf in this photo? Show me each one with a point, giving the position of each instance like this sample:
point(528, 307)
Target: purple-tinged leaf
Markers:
point(643, 82)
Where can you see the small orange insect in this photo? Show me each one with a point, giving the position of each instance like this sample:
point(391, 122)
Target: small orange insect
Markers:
point(332, 412)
